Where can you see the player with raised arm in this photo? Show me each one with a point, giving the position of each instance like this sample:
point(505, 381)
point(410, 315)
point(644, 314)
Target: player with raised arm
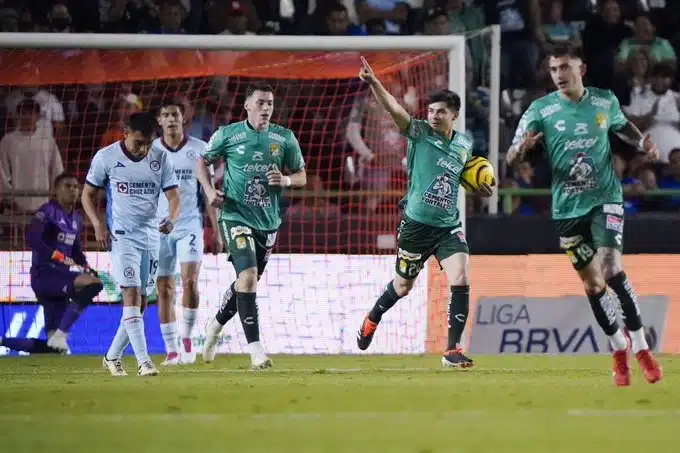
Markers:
point(435, 158)
point(255, 152)
point(185, 242)
point(134, 174)
point(63, 282)
point(573, 123)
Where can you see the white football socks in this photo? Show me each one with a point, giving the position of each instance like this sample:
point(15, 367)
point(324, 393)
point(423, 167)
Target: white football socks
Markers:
point(638, 339)
point(119, 343)
point(188, 321)
point(134, 325)
point(618, 341)
point(169, 333)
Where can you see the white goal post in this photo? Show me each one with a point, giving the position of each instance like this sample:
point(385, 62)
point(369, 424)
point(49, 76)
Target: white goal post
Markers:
point(453, 44)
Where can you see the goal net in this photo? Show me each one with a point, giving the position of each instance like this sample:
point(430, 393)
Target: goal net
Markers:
point(336, 247)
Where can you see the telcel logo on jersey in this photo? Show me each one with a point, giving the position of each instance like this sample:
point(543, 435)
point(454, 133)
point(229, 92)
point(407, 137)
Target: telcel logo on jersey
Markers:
point(450, 166)
point(580, 143)
point(255, 168)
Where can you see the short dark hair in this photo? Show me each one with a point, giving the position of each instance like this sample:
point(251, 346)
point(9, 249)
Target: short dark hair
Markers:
point(335, 7)
point(171, 102)
point(565, 50)
point(27, 105)
point(451, 99)
point(63, 177)
point(258, 86)
point(142, 122)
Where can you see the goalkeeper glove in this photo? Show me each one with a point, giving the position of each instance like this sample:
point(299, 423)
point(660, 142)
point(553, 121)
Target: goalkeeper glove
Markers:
point(63, 259)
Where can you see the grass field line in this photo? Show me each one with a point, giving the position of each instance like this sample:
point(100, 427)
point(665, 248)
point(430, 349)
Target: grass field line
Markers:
point(318, 370)
point(304, 416)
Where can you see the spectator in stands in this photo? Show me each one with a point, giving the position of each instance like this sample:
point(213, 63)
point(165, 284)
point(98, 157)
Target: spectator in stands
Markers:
point(377, 142)
point(644, 36)
point(523, 178)
point(634, 82)
point(376, 27)
point(394, 12)
point(336, 21)
point(521, 39)
point(556, 30)
point(657, 111)
point(315, 204)
point(128, 16)
point(436, 23)
point(602, 35)
point(465, 17)
point(29, 159)
point(171, 16)
point(51, 122)
point(9, 20)
point(672, 179)
point(123, 108)
point(59, 18)
point(232, 18)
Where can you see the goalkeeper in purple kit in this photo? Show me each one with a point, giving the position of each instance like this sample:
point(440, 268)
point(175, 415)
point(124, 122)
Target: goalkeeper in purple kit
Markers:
point(61, 279)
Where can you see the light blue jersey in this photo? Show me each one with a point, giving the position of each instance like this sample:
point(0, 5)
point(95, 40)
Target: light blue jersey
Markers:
point(184, 159)
point(185, 243)
point(133, 189)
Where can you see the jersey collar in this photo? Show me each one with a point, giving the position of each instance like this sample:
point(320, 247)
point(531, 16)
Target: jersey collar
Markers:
point(128, 154)
point(184, 141)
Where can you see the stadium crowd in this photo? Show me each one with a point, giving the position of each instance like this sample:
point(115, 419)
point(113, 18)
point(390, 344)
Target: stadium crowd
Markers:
point(630, 47)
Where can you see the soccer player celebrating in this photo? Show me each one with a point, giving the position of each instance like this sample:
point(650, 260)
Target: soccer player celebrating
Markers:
point(587, 202)
point(255, 152)
point(54, 237)
point(435, 157)
point(134, 174)
point(185, 242)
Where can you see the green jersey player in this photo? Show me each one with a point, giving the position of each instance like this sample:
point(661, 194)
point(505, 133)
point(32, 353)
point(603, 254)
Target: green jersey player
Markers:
point(255, 152)
point(430, 226)
point(587, 203)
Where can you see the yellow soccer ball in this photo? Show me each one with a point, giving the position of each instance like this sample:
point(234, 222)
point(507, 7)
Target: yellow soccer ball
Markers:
point(477, 170)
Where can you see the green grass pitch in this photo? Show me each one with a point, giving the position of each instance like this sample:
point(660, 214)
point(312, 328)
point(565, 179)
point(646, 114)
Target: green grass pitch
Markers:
point(377, 404)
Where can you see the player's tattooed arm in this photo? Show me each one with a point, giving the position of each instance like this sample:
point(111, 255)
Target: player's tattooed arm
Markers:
point(399, 115)
point(630, 134)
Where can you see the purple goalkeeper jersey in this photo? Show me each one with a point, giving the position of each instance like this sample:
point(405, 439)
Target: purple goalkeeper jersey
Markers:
point(54, 229)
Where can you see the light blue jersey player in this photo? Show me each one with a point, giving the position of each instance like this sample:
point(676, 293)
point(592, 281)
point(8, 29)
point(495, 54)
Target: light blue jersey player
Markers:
point(185, 243)
point(134, 176)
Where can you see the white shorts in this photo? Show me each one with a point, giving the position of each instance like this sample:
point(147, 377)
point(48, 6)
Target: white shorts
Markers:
point(133, 267)
point(185, 246)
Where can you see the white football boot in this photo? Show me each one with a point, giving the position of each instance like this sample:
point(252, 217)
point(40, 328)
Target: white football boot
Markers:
point(115, 367)
point(147, 369)
point(212, 332)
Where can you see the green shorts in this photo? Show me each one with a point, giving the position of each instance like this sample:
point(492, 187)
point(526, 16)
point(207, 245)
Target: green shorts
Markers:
point(417, 242)
point(581, 237)
point(247, 247)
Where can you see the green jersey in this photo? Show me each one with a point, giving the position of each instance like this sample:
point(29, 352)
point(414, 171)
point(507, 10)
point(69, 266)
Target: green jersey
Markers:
point(576, 137)
point(248, 155)
point(434, 165)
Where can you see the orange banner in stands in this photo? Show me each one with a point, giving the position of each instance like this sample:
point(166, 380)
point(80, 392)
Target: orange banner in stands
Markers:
point(551, 276)
point(50, 67)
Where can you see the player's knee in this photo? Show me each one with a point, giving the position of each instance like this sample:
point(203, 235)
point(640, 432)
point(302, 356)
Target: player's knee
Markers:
point(87, 293)
point(164, 288)
point(190, 284)
point(594, 283)
point(459, 278)
point(247, 280)
point(402, 286)
point(611, 263)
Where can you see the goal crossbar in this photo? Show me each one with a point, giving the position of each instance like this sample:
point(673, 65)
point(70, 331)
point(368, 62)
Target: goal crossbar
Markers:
point(227, 42)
